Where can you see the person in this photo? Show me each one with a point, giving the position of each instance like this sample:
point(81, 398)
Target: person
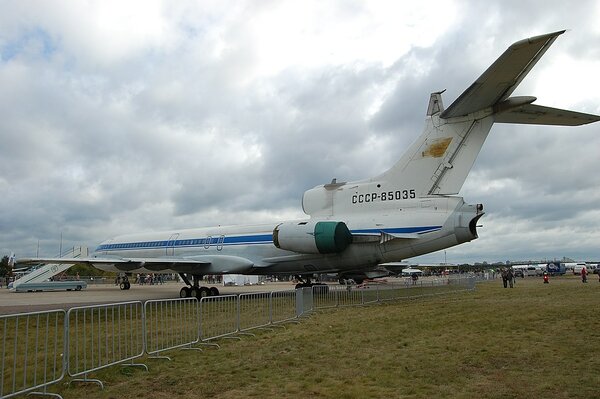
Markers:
point(414, 278)
point(507, 277)
point(546, 278)
point(583, 275)
point(504, 275)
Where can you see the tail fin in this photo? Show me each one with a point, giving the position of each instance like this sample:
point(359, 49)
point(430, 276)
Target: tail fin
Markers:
point(439, 161)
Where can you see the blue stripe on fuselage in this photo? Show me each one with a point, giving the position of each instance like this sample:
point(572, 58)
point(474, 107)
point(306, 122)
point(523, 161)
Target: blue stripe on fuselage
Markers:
point(187, 243)
point(240, 240)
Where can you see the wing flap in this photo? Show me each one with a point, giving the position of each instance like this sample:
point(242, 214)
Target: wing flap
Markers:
point(540, 115)
point(502, 77)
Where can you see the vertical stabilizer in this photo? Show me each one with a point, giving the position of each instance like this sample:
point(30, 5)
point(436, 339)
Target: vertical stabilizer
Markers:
point(440, 159)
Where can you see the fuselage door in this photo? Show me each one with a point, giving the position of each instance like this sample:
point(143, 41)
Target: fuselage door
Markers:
point(170, 249)
point(107, 243)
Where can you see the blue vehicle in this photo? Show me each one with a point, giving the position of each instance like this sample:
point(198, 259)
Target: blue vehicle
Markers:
point(556, 268)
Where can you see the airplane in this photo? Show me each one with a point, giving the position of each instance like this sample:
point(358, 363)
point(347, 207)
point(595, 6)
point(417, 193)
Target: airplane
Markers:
point(352, 227)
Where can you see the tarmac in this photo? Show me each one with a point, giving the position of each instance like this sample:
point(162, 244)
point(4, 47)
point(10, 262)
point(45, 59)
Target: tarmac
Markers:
point(22, 302)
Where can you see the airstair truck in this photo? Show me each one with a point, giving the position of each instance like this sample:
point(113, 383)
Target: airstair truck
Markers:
point(40, 278)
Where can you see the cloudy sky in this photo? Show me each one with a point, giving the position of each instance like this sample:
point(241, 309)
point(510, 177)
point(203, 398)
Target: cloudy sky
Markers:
point(127, 116)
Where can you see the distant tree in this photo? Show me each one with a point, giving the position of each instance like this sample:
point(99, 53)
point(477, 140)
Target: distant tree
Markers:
point(5, 269)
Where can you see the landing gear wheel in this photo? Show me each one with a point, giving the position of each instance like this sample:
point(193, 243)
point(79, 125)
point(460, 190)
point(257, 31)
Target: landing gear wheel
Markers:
point(194, 292)
point(122, 286)
point(127, 285)
point(203, 292)
point(185, 292)
point(214, 291)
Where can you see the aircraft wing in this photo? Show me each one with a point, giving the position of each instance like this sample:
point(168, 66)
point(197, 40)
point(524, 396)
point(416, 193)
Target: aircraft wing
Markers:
point(502, 77)
point(202, 264)
point(539, 115)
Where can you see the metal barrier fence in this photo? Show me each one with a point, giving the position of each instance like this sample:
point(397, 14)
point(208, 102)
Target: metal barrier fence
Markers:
point(32, 351)
point(170, 324)
point(254, 310)
point(100, 336)
point(40, 348)
point(283, 306)
point(218, 317)
point(341, 296)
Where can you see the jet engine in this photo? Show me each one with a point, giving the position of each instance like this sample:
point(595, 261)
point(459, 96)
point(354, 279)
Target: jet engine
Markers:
point(324, 237)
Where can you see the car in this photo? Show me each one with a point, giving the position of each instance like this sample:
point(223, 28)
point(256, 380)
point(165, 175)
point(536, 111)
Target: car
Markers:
point(518, 273)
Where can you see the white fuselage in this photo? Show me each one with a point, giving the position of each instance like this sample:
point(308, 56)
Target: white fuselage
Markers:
point(436, 223)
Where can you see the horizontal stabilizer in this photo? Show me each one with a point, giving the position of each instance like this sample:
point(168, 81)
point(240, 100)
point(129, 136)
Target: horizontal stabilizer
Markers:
point(539, 115)
point(502, 77)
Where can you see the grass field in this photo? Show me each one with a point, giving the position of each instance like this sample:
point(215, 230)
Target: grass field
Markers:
point(534, 341)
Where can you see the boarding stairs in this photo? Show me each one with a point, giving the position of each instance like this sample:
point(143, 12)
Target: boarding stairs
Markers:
point(45, 272)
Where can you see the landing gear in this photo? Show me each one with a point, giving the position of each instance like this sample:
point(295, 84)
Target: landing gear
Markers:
point(199, 292)
point(185, 292)
point(305, 282)
point(123, 281)
point(195, 290)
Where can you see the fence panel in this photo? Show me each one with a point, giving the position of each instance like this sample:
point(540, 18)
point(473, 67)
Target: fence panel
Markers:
point(100, 336)
point(218, 316)
point(171, 324)
point(370, 293)
point(32, 351)
point(349, 295)
point(283, 306)
point(462, 283)
point(304, 301)
point(254, 310)
point(324, 296)
point(389, 292)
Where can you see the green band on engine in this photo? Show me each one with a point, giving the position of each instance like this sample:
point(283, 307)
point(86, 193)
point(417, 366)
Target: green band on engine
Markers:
point(332, 237)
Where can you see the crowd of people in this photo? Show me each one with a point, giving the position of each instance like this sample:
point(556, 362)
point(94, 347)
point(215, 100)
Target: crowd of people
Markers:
point(508, 276)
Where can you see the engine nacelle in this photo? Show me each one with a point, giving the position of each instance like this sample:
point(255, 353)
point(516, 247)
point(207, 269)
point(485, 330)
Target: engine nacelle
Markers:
point(324, 237)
